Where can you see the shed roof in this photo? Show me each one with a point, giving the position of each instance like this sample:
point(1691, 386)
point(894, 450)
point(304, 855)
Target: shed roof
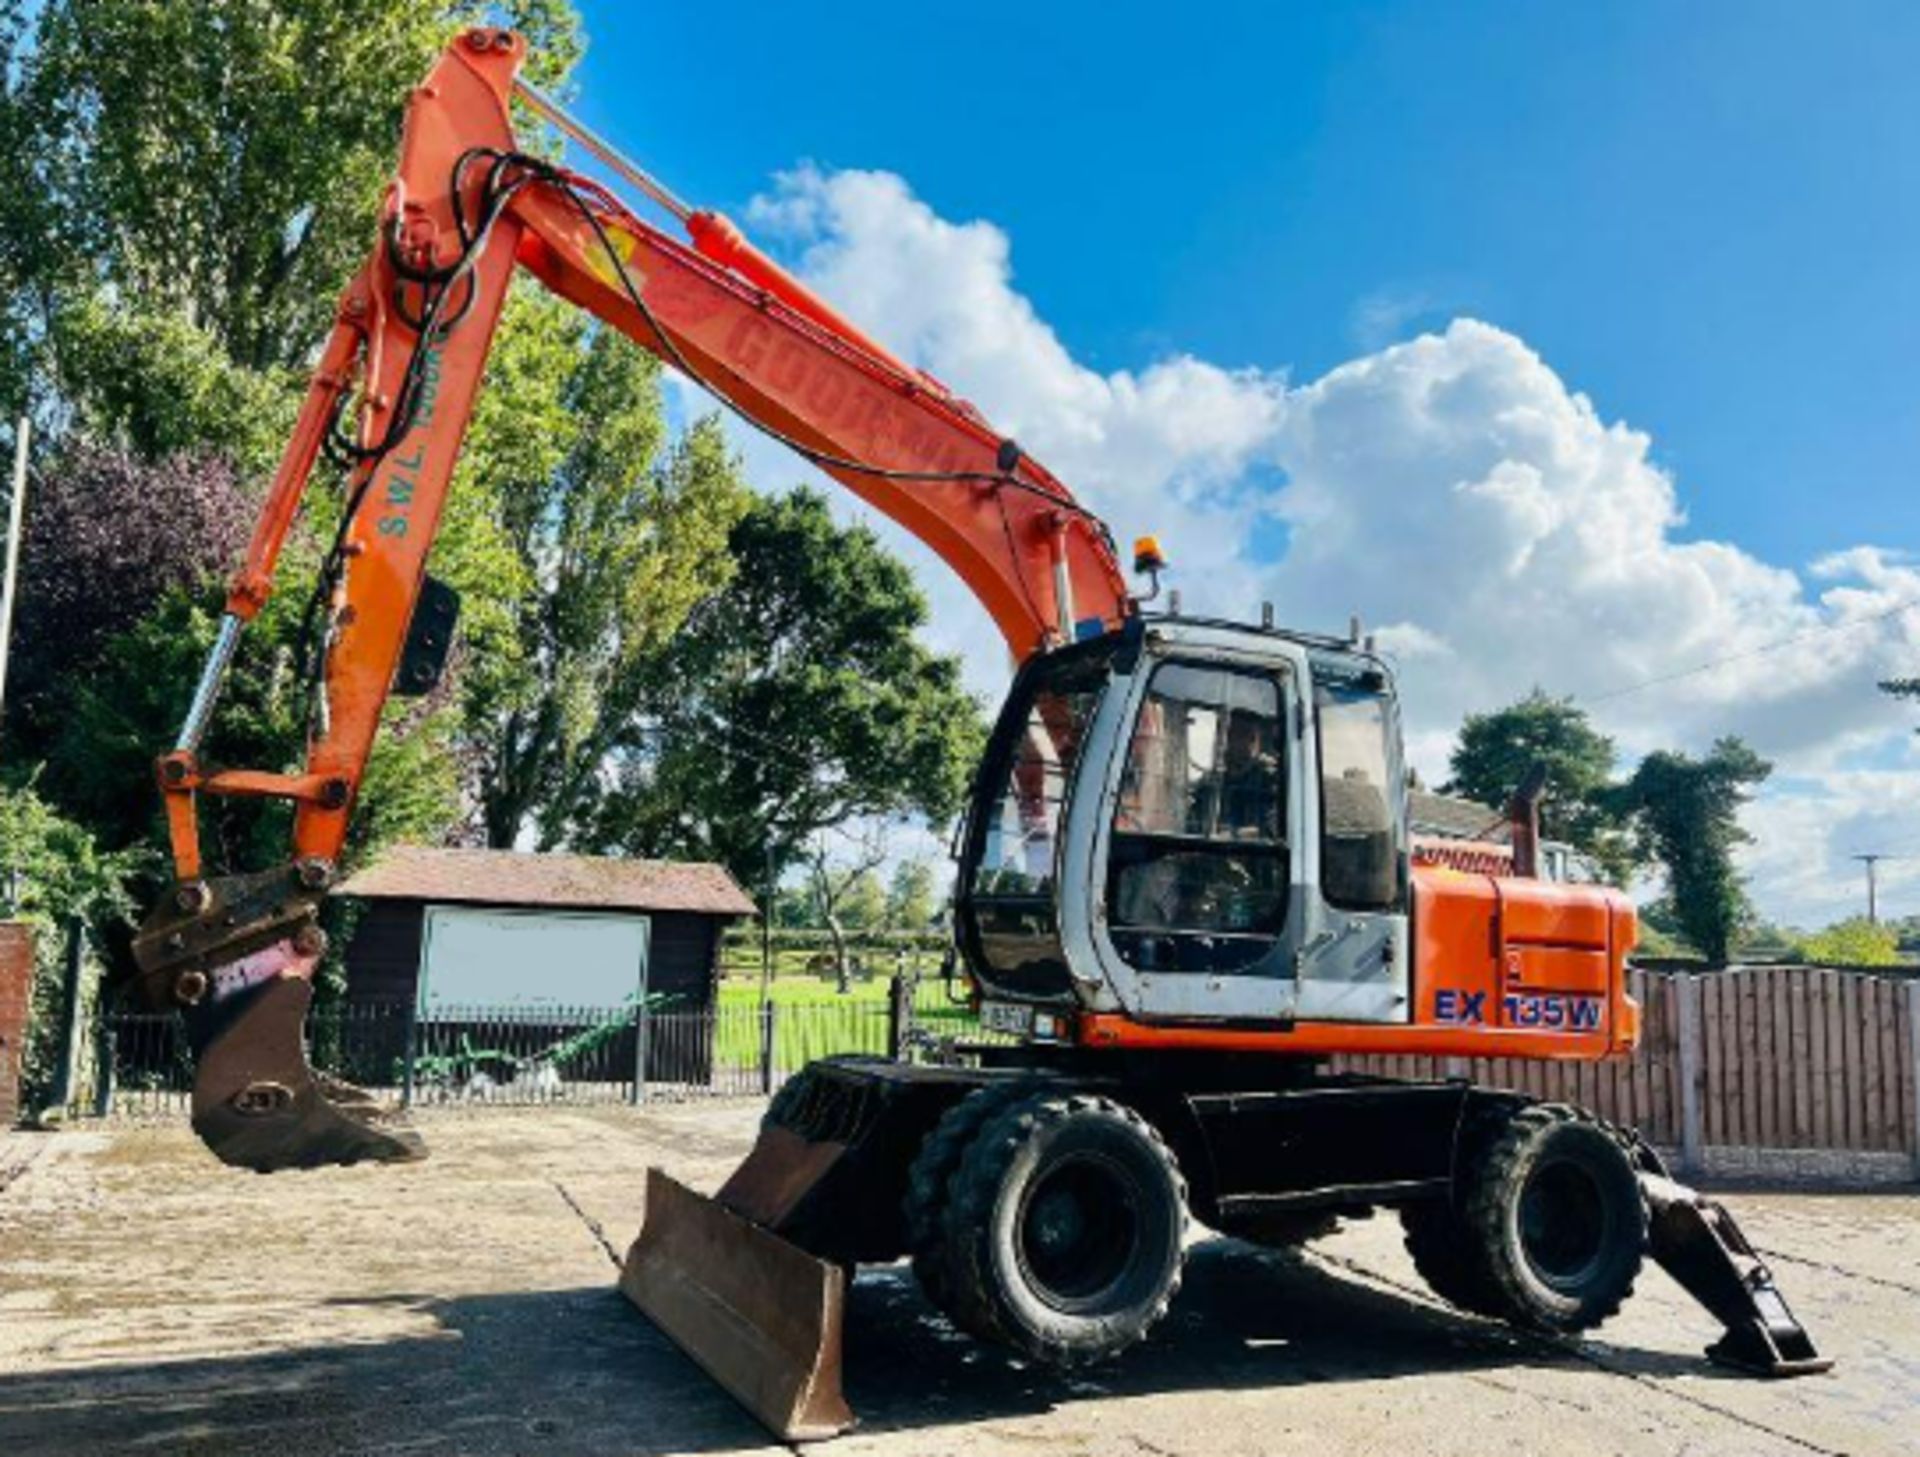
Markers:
point(584, 882)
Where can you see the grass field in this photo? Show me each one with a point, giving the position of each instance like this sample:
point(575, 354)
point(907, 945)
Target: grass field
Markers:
point(812, 1019)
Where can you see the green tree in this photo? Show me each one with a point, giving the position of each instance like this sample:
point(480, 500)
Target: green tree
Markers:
point(1855, 941)
point(846, 893)
point(797, 697)
point(1497, 750)
point(864, 906)
point(614, 535)
point(184, 188)
point(207, 171)
point(912, 900)
point(133, 701)
point(1687, 812)
point(52, 873)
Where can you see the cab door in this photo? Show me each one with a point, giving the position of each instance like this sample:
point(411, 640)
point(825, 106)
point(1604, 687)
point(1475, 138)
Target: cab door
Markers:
point(1198, 870)
point(1353, 966)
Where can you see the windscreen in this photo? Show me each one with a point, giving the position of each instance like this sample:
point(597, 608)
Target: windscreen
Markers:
point(1015, 839)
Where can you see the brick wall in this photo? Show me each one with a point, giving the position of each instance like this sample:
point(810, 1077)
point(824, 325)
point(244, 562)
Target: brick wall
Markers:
point(16, 987)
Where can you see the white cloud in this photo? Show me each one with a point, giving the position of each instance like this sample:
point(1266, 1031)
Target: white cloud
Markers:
point(1451, 488)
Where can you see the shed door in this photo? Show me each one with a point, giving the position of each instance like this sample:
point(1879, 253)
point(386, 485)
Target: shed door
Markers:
point(484, 956)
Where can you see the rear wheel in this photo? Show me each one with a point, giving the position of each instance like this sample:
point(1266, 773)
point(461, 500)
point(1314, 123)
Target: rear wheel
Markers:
point(1063, 1233)
point(1443, 1252)
point(1557, 1223)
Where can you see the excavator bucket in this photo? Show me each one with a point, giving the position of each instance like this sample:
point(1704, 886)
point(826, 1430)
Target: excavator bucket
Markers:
point(762, 1316)
point(257, 1103)
point(1696, 1241)
point(236, 955)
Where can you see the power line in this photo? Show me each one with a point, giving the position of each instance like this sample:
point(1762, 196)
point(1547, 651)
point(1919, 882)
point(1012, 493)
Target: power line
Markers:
point(1707, 667)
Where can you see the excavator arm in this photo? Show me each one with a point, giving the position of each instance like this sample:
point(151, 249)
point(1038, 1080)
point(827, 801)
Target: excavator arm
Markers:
point(390, 400)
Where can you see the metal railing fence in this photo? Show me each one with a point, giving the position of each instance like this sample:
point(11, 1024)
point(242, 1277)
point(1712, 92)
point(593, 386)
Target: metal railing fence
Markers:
point(526, 1055)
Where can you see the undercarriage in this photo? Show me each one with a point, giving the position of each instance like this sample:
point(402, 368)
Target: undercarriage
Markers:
point(1045, 1198)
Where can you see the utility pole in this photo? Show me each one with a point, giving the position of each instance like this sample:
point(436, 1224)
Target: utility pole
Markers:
point(1873, 901)
point(16, 520)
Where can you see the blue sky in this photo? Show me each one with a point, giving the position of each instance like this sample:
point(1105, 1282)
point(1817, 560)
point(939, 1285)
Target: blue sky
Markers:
point(1704, 215)
point(1571, 346)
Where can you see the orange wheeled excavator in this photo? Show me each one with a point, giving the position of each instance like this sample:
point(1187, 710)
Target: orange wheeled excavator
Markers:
point(1185, 879)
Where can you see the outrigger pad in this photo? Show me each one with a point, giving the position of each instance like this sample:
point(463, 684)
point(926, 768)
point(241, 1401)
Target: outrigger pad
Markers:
point(1697, 1242)
point(258, 1105)
point(762, 1316)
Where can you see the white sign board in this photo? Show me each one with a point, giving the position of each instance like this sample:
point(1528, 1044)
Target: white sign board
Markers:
point(484, 956)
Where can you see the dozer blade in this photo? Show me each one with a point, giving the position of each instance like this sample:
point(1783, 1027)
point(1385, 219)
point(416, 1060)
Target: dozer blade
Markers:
point(1697, 1242)
point(762, 1316)
point(258, 1105)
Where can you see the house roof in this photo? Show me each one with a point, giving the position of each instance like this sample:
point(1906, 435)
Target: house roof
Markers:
point(585, 882)
point(1449, 818)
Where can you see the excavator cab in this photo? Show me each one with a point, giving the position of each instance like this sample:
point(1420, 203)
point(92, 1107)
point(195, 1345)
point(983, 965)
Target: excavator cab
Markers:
point(1191, 820)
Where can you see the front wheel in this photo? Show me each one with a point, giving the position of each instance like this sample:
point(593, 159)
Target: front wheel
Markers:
point(1064, 1232)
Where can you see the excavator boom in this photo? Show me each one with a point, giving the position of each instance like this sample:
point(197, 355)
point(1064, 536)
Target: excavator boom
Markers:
point(390, 401)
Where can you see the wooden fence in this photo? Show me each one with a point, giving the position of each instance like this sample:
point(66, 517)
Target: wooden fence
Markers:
point(1767, 1058)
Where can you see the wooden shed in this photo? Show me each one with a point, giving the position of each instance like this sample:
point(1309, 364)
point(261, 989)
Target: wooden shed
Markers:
point(503, 928)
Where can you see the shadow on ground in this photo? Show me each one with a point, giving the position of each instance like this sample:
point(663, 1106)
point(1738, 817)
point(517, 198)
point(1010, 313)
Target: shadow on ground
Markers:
point(580, 1371)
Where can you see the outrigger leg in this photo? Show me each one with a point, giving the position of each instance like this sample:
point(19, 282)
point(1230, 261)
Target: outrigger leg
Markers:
point(1696, 1241)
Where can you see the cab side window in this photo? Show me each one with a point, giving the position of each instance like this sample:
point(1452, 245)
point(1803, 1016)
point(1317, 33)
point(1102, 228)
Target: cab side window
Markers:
point(1361, 817)
point(1197, 870)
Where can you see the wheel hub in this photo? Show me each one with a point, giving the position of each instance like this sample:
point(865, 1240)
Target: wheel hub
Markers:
point(1079, 1231)
point(1564, 1222)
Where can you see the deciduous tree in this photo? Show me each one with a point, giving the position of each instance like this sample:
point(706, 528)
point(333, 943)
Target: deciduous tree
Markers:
point(203, 167)
point(614, 542)
point(795, 698)
point(1688, 814)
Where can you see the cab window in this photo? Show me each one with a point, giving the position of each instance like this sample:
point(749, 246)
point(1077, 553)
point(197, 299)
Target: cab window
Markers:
point(1008, 896)
point(1360, 802)
point(1197, 869)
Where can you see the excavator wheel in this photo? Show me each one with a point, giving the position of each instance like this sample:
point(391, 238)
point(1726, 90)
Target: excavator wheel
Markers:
point(931, 1173)
point(1064, 1228)
point(1555, 1221)
point(1442, 1251)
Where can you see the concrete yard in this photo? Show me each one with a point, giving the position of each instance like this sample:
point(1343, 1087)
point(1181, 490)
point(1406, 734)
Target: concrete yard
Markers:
point(152, 1301)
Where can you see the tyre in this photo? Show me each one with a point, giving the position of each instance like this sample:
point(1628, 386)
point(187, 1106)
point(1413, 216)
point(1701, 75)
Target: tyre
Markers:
point(1555, 1220)
point(931, 1172)
point(1443, 1252)
point(1064, 1229)
point(785, 1102)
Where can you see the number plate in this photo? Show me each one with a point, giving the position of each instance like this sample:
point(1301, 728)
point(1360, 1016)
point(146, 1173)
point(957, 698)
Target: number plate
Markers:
point(1006, 1017)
